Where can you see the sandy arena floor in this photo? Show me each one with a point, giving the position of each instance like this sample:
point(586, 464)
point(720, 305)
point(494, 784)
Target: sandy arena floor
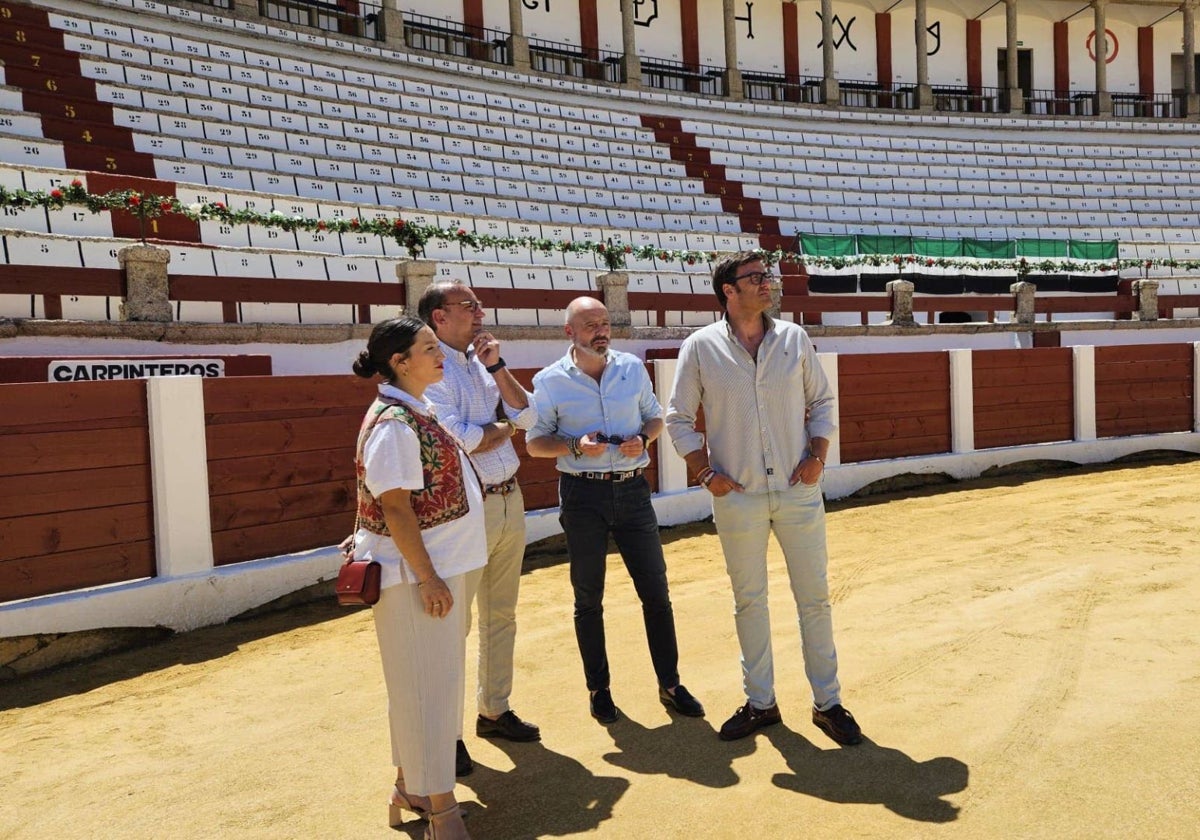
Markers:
point(1023, 654)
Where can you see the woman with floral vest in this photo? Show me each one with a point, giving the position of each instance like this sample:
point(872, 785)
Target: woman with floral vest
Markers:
point(420, 514)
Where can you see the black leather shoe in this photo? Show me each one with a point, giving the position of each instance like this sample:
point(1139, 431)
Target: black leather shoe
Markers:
point(603, 708)
point(838, 724)
point(463, 765)
point(681, 701)
point(509, 726)
point(747, 720)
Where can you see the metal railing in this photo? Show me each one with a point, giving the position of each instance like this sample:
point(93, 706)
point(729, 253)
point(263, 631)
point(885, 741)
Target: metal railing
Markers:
point(556, 59)
point(443, 37)
point(1148, 105)
point(1059, 103)
point(856, 93)
point(704, 79)
point(979, 100)
point(358, 18)
point(777, 87)
point(216, 4)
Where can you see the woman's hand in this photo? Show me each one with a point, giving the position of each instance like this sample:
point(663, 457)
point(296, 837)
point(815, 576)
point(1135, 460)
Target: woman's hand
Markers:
point(435, 596)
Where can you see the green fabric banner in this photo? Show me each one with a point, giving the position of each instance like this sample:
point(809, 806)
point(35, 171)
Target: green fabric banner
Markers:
point(884, 244)
point(989, 249)
point(826, 245)
point(937, 247)
point(1041, 248)
point(1081, 250)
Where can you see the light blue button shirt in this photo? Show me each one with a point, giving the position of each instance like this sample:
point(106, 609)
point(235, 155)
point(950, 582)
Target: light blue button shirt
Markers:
point(571, 404)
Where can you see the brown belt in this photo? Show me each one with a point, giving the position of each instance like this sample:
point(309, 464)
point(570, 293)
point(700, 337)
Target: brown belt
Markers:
point(502, 489)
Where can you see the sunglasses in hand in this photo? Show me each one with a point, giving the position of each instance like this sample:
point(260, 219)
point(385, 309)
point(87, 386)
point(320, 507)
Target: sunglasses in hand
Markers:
point(616, 440)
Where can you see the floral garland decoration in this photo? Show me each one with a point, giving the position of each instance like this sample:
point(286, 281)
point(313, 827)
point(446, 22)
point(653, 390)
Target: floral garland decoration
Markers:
point(413, 237)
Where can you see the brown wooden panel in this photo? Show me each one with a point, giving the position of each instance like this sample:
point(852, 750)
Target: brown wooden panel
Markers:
point(540, 495)
point(948, 303)
point(894, 383)
point(1025, 396)
point(52, 533)
point(1136, 370)
point(1117, 304)
point(241, 440)
point(15, 14)
point(22, 454)
point(269, 393)
point(27, 495)
point(87, 133)
point(281, 504)
point(1031, 416)
point(271, 290)
point(63, 280)
point(886, 449)
point(914, 419)
point(273, 539)
point(856, 405)
point(29, 405)
point(854, 364)
point(1003, 360)
point(33, 369)
point(1134, 353)
point(63, 572)
point(239, 475)
point(528, 298)
point(1157, 422)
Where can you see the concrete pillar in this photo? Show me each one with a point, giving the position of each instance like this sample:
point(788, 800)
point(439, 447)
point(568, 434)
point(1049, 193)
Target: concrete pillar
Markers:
point(393, 28)
point(614, 288)
point(179, 475)
point(672, 470)
point(146, 284)
point(901, 292)
point(924, 91)
point(1023, 297)
point(518, 44)
point(1146, 293)
point(962, 402)
point(1191, 101)
point(1100, 48)
point(1084, 364)
point(829, 364)
point(1196, 386)
point(633, 64)
point(733, 76)
point(776, 309)
point(417, 276)
point(829, 82)
point(1016, 97)
point(245, 9)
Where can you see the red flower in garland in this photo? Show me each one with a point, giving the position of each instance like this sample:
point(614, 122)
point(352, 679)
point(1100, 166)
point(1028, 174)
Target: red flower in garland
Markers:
point(354, 223)
point(896, 260)
point(165, 205)
point(462, 232)
point(929, 261)
point(398, 224)
point(134, 199)
point(600, 248)
point(76, 183)
point(321, 225)
point(56, 194)
point(628, 249)
point(220, 205)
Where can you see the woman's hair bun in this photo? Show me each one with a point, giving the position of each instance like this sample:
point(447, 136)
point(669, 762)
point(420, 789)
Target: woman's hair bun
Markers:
point(363, 366)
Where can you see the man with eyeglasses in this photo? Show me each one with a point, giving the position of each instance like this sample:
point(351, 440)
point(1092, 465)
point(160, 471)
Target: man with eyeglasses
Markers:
point(597, 414)
point(768, 415)
point(482, 405)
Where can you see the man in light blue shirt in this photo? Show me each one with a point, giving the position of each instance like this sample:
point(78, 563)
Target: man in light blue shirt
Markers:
point(597, 415)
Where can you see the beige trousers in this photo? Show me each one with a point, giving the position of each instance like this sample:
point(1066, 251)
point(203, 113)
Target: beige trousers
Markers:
point(495, 587)
point(423, 667)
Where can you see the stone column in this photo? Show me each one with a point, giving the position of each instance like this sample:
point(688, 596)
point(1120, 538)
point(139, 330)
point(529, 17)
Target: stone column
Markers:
point(1191, 102)
point(146, 285)
point(518, 44)
point(901, 293)
point(614, 289)
point(1016, 97)
point(733, 76)
point(416, 275)
point(1023, 295)
point(829, 82)
point(1100, 48)
point(1146, 293)
point(393, 28)
point(245, 9)
point(633, 64)
point(924, 91)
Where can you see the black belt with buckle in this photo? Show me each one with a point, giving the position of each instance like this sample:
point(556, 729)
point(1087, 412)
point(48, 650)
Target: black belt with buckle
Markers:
point(501, 489)
point(610, 476)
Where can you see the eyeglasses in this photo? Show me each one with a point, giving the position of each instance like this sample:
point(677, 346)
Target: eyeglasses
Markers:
point(756, 278)
point(471, 306)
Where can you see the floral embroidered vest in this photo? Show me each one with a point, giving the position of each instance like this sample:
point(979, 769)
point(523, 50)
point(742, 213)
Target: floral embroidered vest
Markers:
point(444, 496)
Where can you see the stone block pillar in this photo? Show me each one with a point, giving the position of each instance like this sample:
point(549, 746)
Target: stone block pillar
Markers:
point(146, 285)
point(416, 275)
point(246, 9)
point(614, 289)
point(1023, 295)
point(901, 293)
point(393, 29)
point(1146, 294)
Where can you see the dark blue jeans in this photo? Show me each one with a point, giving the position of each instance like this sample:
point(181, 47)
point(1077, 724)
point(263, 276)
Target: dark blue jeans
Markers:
point(589, 511)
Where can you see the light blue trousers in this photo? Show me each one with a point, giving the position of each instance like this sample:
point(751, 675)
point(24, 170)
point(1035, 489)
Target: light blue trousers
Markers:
point(797, 518)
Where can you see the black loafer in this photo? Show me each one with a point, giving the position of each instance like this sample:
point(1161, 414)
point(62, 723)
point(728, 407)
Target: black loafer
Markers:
point(602, 706)
point(463, 765)
point(747, 720)
point(509, 726)
point(681, 701)
point(838, 724)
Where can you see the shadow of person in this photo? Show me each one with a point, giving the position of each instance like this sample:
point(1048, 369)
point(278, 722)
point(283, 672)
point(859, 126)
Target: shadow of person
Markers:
point(545, 794)
point(685, 748)
point(869, 773)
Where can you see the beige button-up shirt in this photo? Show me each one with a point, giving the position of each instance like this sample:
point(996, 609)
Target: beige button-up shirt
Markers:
point(753, 409)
